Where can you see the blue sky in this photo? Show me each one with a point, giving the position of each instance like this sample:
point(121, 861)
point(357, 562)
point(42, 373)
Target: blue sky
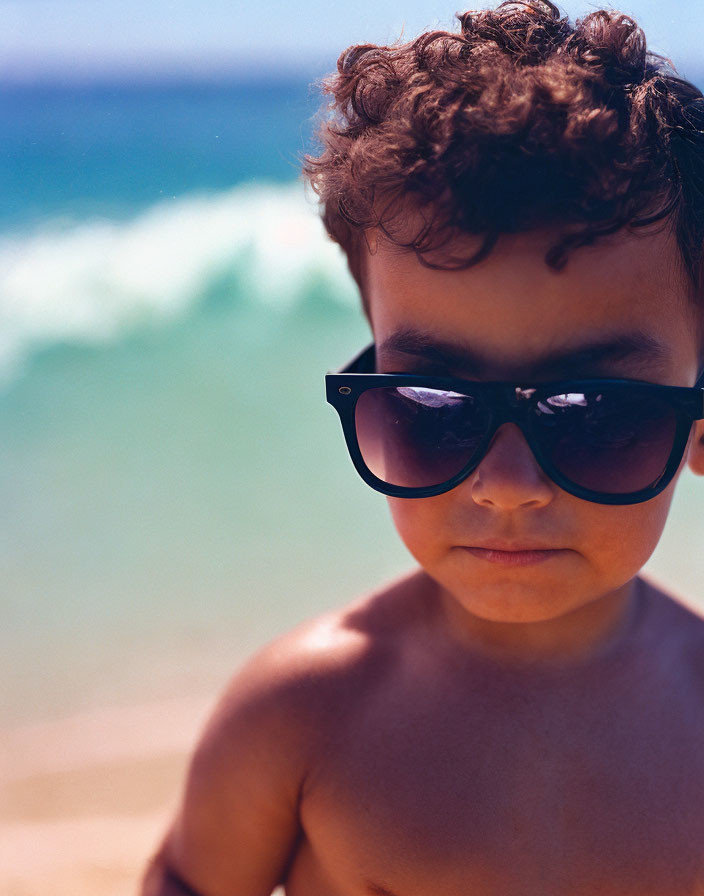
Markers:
point(135, 36)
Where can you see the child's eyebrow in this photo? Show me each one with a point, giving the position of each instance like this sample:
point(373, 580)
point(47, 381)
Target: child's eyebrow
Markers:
point(635, 346)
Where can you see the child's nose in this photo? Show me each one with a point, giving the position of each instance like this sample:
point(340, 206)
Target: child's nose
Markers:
point(509, 475)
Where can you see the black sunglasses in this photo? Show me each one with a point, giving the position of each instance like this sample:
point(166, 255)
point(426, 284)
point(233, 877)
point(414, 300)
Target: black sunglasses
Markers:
point(611, 441)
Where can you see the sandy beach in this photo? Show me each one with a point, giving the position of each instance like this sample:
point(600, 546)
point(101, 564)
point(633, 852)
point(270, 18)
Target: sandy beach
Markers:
point(85, 800)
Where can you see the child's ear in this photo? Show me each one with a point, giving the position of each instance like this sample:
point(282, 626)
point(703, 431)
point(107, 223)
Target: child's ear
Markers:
point(695, 454)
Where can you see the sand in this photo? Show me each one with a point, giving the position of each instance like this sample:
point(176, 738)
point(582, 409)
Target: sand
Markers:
point(85, 800)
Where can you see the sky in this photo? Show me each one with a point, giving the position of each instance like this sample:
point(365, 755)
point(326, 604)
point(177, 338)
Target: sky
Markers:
point(78, 38)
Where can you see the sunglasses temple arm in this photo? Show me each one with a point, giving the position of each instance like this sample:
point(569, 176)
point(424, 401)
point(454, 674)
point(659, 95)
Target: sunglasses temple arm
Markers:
point(699, 385)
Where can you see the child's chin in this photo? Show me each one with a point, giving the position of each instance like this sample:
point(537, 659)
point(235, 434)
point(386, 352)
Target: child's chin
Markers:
point(517, 604)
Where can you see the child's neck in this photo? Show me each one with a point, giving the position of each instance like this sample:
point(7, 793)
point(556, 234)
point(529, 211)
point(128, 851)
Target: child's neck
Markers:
point(573, 639)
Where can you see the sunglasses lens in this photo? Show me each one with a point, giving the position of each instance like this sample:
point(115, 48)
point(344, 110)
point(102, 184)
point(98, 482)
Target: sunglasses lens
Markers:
point(613, 441)
point(417, 437)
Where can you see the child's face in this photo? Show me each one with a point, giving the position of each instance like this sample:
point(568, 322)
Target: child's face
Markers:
point(514, 313)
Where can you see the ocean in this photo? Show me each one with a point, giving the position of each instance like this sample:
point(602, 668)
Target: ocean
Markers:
point(174, 489)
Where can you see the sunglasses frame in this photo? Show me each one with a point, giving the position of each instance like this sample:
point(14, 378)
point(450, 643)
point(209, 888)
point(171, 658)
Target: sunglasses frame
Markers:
point(344, 388)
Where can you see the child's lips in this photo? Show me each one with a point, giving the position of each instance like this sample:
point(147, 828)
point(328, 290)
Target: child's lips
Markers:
point(516, 555)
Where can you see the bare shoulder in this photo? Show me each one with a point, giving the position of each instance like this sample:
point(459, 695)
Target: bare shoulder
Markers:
point(283, 697)
point(280, 709)
point(673, 610)
point(299, 675)
point(676, 627)
point(238, 823)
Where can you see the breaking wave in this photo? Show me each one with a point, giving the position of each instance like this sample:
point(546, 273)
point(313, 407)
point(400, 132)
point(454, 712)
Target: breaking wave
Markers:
point(92, 281)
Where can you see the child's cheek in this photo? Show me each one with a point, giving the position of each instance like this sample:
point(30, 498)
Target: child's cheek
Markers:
point(422, 526)
point(619, 539)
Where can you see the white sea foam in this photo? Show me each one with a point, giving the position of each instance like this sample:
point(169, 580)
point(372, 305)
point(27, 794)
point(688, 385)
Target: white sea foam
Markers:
point(91, 281)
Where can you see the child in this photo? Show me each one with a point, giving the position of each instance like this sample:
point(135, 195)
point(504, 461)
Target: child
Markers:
point(522, 206)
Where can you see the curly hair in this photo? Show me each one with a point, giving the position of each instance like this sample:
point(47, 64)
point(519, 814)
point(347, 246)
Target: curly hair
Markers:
point(520, 121)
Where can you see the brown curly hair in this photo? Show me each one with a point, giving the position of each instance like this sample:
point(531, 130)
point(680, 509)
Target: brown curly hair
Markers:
point(521, 121)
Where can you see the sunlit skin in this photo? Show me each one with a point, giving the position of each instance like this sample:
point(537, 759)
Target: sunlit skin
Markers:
point(480, 728)
point(516, 313)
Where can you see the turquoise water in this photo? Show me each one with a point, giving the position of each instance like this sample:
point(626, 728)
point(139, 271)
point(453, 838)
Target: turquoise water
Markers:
point(174, 488)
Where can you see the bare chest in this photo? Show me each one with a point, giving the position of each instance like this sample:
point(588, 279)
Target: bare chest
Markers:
point(511, 796)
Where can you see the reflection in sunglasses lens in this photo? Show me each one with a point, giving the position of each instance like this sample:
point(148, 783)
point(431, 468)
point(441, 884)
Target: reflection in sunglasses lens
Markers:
point(416, 437)
point(609, 440)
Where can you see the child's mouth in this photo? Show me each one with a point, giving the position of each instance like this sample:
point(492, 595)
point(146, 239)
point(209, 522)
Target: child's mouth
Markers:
point(520, 557)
